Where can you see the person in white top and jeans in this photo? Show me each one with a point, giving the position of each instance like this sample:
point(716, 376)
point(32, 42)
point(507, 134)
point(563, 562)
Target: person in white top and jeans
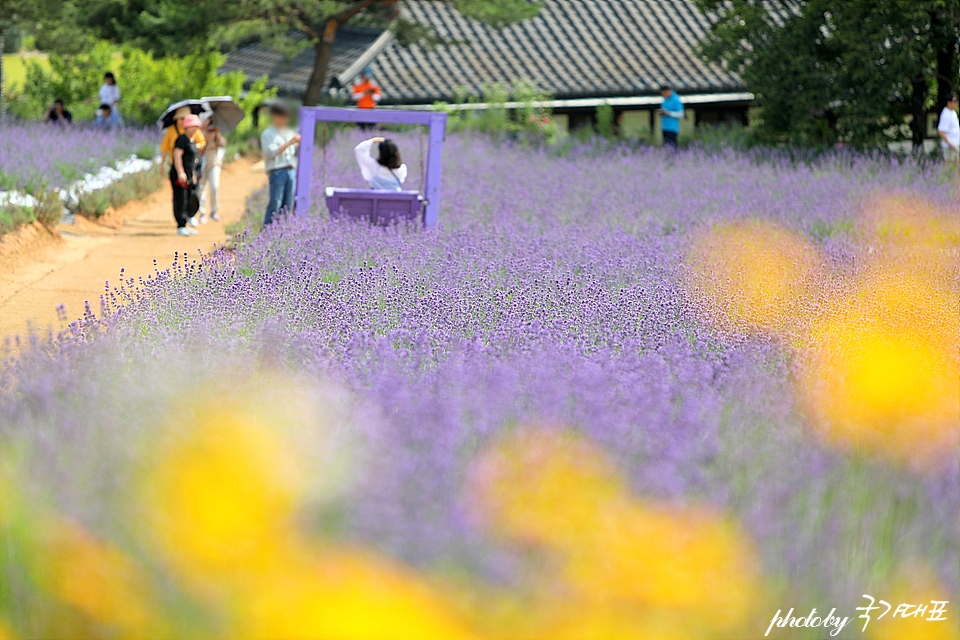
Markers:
point(380, 164)
point(109, 94)
point(279, 144)
point(949, 130)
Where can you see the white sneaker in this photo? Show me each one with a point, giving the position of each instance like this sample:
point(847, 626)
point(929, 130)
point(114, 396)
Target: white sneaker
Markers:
point(203, 218)
point(193, 221)
point(186, 231)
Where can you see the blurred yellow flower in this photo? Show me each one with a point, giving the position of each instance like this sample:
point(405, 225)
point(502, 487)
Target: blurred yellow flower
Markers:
point(907, 221)
point(345, 595)
point(542, 485)
point(915, 586)
point(5, 632)
point(220, 499)
point(626, 568)
point(92, 576)
point(882, 372)
point(689, 560)
point(753, 275)
point(599, 622)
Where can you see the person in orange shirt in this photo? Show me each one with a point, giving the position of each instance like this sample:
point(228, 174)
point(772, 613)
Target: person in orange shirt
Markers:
point(366, 92)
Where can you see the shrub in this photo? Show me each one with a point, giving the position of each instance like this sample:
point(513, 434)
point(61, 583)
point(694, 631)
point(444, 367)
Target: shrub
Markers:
point(528, 118)
point(14, 217)
point(148, 85)
point(49, 208)
point(132, 187)
point(605, 121)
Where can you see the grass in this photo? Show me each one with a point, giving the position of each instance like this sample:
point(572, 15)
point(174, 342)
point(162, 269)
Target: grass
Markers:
point(135, 186)
point(12, 218)
point(15, 68)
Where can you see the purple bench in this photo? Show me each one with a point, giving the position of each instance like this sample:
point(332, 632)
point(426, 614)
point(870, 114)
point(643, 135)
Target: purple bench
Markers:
point(381, 208)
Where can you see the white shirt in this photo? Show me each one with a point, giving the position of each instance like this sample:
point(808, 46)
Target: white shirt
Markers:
point(950, 125)
point(108, 94)
point(377, 175)
point(270, 141)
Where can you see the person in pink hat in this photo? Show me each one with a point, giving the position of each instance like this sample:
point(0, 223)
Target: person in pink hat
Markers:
point(183, 175)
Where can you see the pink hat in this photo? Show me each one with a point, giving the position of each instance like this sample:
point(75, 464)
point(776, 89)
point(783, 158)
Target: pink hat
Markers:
point(191, 121)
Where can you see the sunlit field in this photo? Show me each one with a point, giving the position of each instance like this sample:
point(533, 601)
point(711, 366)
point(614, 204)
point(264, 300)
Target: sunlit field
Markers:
point(618, 394)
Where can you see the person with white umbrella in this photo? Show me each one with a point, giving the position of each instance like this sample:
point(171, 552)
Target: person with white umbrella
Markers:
point(211, 165)
point(222, 117)
point(183, 175)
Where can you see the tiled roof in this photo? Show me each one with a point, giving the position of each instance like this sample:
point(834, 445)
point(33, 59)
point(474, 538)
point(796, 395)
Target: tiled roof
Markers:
point(290, 77)
point(572, 49)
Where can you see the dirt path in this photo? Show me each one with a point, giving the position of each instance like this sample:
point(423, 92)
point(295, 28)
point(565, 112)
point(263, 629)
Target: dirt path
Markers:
point(73, 270)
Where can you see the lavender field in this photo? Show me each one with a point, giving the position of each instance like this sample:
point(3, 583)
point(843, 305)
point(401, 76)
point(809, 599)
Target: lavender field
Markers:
point(619, 394)
point(35, 156)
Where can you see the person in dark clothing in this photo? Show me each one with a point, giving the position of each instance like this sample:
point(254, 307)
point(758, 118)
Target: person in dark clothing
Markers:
point(183, 176)
point(57, 114)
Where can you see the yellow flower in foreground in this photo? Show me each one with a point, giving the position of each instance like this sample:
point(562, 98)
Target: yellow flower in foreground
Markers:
point(688, 560)
point(752, 275)
point(221, 497)
point(343, 595)
point(5, 632)
point(910, 228)
point(541, 485)
point(94, 577)
point(916, 587)
point(625, 568)
point(883, 370)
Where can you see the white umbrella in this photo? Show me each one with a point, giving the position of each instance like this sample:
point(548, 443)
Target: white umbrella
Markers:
point(226, 114)
point(196, 108)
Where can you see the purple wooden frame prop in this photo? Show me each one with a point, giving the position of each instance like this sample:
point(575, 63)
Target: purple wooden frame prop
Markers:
point(310, 116)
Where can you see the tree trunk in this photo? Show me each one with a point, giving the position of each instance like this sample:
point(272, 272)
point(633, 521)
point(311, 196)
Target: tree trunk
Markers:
point(917, 108)
point(3, 79)
point(945, 36)
point(324, 51)
point(945, 74)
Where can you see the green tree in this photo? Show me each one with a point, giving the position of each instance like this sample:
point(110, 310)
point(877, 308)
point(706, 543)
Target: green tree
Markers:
point(17, 13)
point(168, 26)
point(827, 71)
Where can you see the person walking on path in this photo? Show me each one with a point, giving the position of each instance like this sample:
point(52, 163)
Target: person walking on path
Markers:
point(949, 131)
point(279, 144)
point(109, 94)
point(169, 142)
point(670, 111)
point(211, 165)
point(366, 92)
point(183, 175)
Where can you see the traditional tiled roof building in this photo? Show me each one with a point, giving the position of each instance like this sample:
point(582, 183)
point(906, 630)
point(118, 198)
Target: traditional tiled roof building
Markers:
point(580, 52)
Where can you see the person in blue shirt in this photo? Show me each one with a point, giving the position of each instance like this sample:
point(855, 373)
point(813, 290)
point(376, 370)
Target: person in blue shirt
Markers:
point(671, 110)
point(105, 117)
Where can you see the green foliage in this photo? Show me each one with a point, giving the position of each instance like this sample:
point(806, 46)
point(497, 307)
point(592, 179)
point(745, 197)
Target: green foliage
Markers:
point(12, 218)
point(828, 72)
point(605, 121)
point(148, 84)
point(497, 12)
point(175, 27)
point(74, 79)
point(161, 27)
point(49, 208)
point(525, 117)
point(135, 186)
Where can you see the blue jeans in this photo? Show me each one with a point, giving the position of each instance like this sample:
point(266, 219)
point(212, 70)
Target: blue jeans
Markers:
point(281, 193)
